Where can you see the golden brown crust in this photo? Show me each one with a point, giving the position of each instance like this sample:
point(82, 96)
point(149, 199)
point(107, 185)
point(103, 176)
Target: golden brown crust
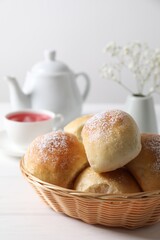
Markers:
point(111, 139)
point(146, 166)
point(56, 157)
point(115, 182)
point(75, 127)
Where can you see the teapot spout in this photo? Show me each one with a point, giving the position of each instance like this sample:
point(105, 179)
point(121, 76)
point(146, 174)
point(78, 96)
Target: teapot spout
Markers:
point(18, 99)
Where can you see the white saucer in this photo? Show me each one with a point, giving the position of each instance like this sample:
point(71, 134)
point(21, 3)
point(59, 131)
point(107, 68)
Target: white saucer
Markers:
point(8, 147)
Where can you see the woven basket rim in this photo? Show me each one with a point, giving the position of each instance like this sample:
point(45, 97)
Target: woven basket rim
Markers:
point(50, 186)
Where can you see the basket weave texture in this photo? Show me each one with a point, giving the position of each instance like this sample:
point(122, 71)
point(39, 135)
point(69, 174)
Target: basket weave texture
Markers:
point(128, 210)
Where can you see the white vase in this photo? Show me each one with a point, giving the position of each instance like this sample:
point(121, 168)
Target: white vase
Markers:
point(142, 109)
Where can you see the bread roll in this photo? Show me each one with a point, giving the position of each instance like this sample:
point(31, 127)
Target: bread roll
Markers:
point(115, 182)
point(56, 158)
point(146, 166)
point(111, 140)
point(75, 127)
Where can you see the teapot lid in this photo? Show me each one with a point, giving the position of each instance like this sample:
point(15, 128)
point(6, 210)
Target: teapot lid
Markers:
point(50, 65)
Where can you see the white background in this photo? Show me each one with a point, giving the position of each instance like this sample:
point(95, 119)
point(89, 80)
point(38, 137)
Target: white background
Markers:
point(78, 30)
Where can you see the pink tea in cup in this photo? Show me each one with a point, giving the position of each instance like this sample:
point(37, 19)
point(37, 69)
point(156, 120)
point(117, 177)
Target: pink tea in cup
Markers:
point(24, 126)
point(28, 117)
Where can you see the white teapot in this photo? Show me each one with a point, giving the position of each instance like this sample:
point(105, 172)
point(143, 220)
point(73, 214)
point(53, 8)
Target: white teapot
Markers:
point(50, 85)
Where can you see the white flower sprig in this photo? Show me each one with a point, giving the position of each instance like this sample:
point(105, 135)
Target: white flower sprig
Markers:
point(142, 61)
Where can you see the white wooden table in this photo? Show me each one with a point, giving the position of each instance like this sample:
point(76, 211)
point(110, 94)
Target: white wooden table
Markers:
point(24, 216)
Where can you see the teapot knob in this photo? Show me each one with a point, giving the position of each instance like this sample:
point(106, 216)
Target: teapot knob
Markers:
point(49, 55)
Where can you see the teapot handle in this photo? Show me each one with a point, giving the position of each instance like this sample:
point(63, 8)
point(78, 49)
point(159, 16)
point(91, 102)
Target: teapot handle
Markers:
point(87, 84)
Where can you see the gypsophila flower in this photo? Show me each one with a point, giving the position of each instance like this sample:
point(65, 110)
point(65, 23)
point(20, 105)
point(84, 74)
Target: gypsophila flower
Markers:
point(143, 62)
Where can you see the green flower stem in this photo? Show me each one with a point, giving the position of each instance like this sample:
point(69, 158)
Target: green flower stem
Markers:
point(125, 87)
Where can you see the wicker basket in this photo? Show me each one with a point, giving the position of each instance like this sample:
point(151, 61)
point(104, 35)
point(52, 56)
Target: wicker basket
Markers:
point(128, 210)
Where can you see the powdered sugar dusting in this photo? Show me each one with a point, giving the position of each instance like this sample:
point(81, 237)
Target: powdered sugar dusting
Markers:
point(54, 142)
point(101, 124)
point(153, 144)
